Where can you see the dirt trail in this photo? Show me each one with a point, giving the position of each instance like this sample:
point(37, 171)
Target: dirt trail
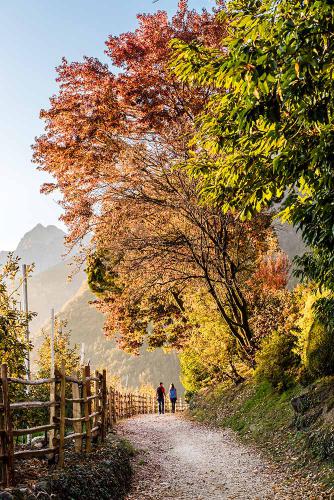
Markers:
point(180, 459)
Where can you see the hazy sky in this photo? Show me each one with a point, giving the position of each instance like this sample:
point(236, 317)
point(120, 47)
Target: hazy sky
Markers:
point(34, 36)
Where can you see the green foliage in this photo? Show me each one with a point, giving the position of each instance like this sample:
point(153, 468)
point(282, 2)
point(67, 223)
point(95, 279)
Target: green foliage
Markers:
point(13, 346)
point(64, 351)
point(256, 411)
point(13, 322)
point(320, 352)
point(101, 277)
point(268, 130)
point(210, 355)
point(262, 415)
point(277, 361)
point(314, 329)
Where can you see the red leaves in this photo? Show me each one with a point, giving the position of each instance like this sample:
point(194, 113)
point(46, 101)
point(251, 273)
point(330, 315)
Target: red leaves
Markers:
point(97, 114)
point(273, 272)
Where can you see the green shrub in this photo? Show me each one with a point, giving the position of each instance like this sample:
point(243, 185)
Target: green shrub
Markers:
point(277, 362)
point(320, 350)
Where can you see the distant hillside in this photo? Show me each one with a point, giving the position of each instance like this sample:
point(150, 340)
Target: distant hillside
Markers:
point(3, 256)
point(291, 243)
point(49, 288)
point(43, 246)
point(86, 325)
point(290, 240)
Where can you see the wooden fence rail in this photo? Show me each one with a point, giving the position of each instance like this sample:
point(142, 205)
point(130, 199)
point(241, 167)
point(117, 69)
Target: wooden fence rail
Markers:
point(81, 410)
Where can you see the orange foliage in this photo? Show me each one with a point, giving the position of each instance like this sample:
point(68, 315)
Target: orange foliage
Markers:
point(112, 142)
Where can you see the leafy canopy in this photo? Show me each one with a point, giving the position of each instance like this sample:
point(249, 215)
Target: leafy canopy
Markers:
point(267, 133)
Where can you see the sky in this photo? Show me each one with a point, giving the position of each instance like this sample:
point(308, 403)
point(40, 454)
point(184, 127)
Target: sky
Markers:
point(34, 36)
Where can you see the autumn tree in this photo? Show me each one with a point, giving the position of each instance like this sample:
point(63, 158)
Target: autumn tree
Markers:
point(98, 117)
point(112, 142)
point(63, 349)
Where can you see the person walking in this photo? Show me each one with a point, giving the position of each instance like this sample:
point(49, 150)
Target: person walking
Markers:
point(161, 393)
point(173, 396)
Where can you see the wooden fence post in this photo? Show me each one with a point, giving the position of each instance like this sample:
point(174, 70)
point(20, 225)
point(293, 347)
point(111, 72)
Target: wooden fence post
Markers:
point(86, 370)
point(114, 414)
point(62, 415)
point(88, 388)
point(77, 426)
point(115, 405)
point(104, 405)
point(119, 404)
point(3, 444)
point(110, 420)
point(8, 469)
point(52, 411)
point(97, 405)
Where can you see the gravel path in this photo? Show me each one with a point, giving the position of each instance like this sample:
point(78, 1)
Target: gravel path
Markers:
point(180, 459)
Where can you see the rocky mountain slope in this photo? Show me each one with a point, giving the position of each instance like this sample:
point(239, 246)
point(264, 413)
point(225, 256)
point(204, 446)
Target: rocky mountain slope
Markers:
point(43, 246)
point(49, 287)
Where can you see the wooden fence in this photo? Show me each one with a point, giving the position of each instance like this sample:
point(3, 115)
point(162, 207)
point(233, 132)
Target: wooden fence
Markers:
point(84, 417)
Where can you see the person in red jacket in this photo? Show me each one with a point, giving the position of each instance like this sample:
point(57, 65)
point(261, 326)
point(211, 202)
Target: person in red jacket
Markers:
point(161, 393)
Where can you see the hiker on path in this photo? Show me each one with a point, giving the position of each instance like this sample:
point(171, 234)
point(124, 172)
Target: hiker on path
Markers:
point(172, 396)
point(161, 393)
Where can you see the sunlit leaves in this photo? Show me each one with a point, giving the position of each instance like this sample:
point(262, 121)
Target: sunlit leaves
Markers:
point(268, 130)
point(13, 345)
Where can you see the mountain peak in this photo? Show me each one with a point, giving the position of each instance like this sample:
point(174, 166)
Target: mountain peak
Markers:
point(42, 245)
point(44, 232)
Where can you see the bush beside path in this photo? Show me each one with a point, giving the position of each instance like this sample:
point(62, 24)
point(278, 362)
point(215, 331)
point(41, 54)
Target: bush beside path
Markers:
point(105, 474)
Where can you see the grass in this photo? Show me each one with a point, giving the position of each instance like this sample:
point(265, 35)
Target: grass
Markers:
point(128, 447)
point(265, 418)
